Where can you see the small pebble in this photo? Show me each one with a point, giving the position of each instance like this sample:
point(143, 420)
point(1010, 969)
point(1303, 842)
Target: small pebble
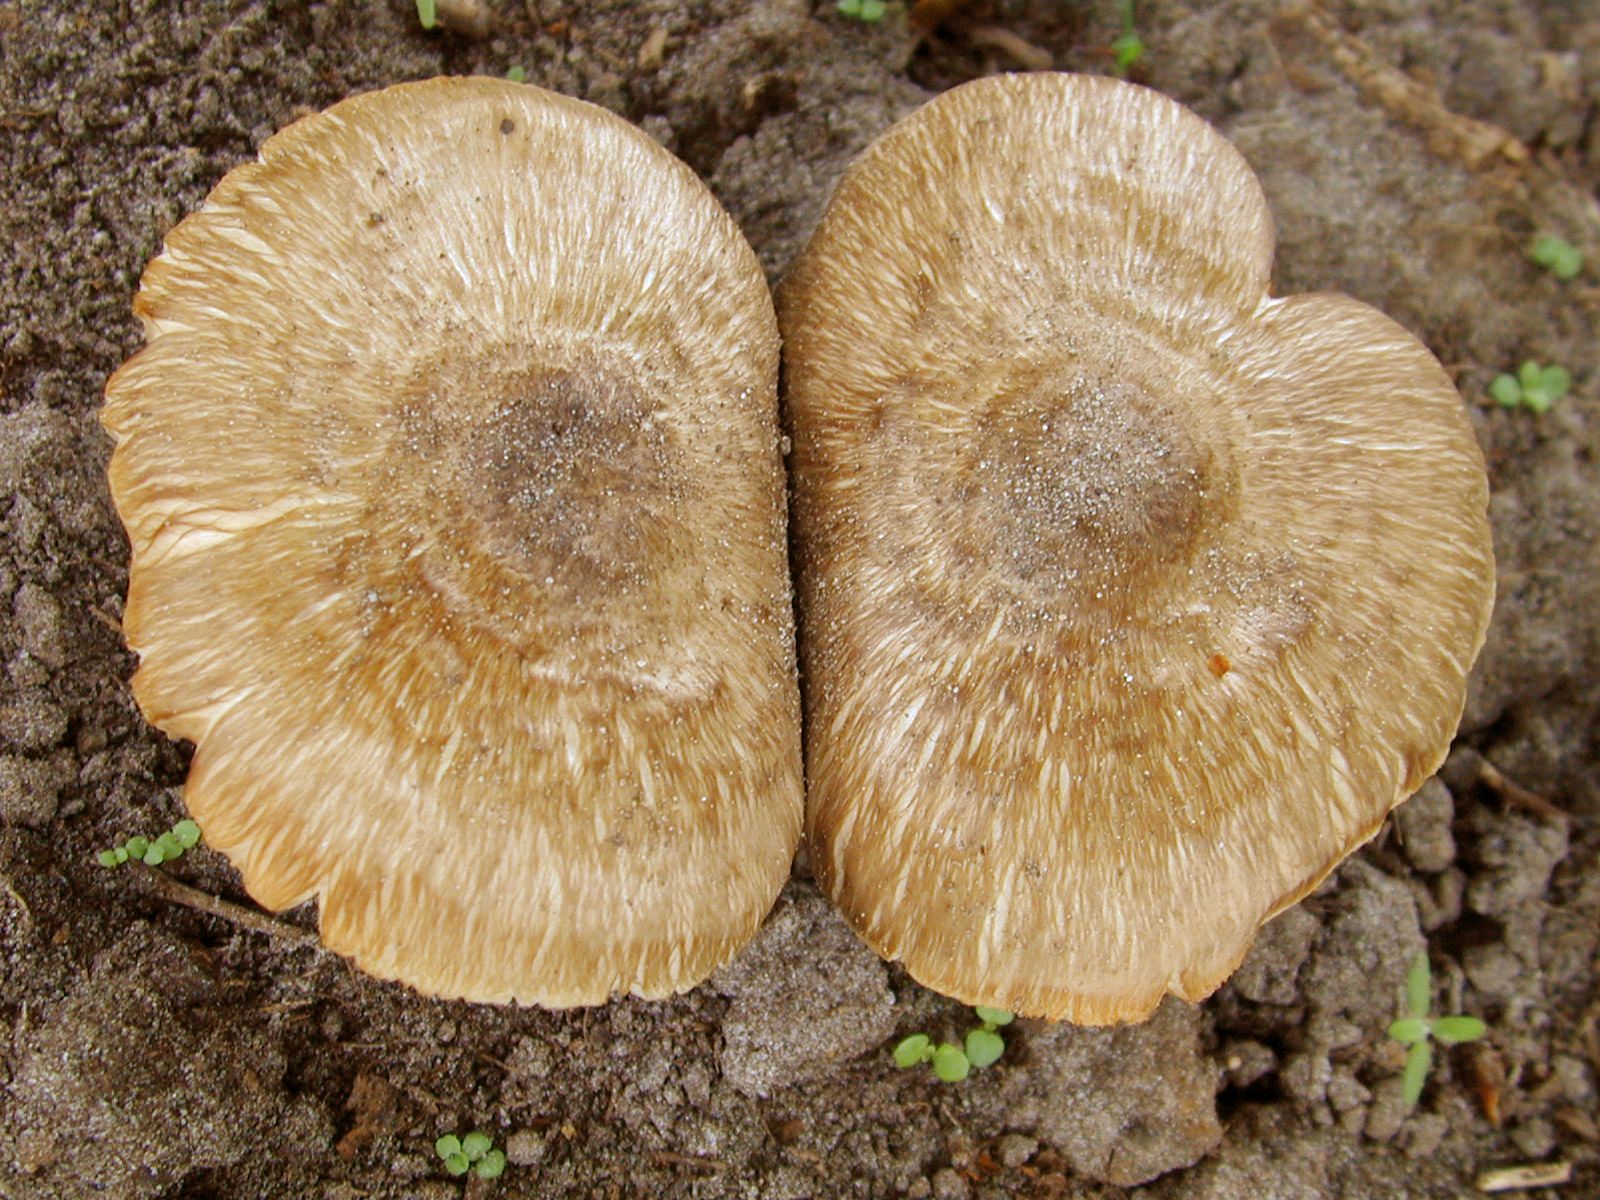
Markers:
point(1388, 1112)
point(1494, 971)
point(1534, 1138)
point(29, 792)
point(1577, 1081)
point(1345, 1091)
point(526, 1148)
point(1246, 1061)
point(1332, 1032)
point(472, 18)
point(32, 722)
point(531, 1058)
point(1305, 1076)
point(1444, 895)
point(1015, 1150)
point(1424, 1134)
point(38, 616)
point(1423, 823)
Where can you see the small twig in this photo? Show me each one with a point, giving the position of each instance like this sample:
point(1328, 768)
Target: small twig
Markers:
point(168, 888)
point(1515, 794)
point(1530, 1175)
point(27, 913)
point(283, 1006)
point(1579, 1122)
point(1016, 47)
point(1470, 142)
point(105, 618)
point(672, 1158)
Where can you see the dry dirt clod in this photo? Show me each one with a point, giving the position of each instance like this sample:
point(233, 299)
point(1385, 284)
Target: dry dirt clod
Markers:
point(654, 50)
point(471, 18)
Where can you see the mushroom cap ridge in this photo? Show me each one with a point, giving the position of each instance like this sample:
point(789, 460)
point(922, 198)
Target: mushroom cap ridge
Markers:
point(452, 479)
point(1131, 598)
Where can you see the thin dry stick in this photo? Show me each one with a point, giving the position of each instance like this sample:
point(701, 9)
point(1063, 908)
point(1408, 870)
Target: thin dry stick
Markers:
point(1515, 794)
point(670, 1158)
point(1528, 1175)
point(1468, 141)
point(170, 889)
point(1018, 48)
point(106, 619)
point(27, 913)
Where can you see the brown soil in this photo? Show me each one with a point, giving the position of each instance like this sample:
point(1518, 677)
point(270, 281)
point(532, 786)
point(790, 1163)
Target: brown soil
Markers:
point(1410, 149)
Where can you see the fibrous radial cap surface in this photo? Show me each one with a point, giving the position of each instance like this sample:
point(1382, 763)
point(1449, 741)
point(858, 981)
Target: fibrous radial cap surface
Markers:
point(452, 478)
point(1131, 598)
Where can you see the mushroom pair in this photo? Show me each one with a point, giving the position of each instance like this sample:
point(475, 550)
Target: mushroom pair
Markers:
point(1131, 599)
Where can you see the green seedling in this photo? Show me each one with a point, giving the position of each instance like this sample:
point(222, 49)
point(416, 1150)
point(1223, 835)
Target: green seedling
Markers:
point(428, 13)
point(517, 75)
point(185, 835)
point(1128, 48)
point(982, 1047)
point(868, 12)
point(1533, 387)
point(1557, 255)
point(473, 1152)
point(1419, 1029)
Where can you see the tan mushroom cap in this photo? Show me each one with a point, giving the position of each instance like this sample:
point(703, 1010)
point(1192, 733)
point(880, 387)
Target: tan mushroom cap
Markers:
point(452, 477)
point(1131, 598)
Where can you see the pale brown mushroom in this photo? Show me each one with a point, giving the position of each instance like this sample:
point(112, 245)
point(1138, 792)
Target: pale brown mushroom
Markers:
point(1131, 599)
point(452, 478)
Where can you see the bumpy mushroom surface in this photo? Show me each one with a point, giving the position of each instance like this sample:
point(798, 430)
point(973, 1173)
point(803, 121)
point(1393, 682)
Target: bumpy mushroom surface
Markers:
point(1131, 598)
point(451, 473)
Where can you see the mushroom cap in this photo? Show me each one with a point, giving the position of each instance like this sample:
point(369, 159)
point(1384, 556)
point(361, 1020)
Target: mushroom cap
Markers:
point(1131, 599)
point(452, 479)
